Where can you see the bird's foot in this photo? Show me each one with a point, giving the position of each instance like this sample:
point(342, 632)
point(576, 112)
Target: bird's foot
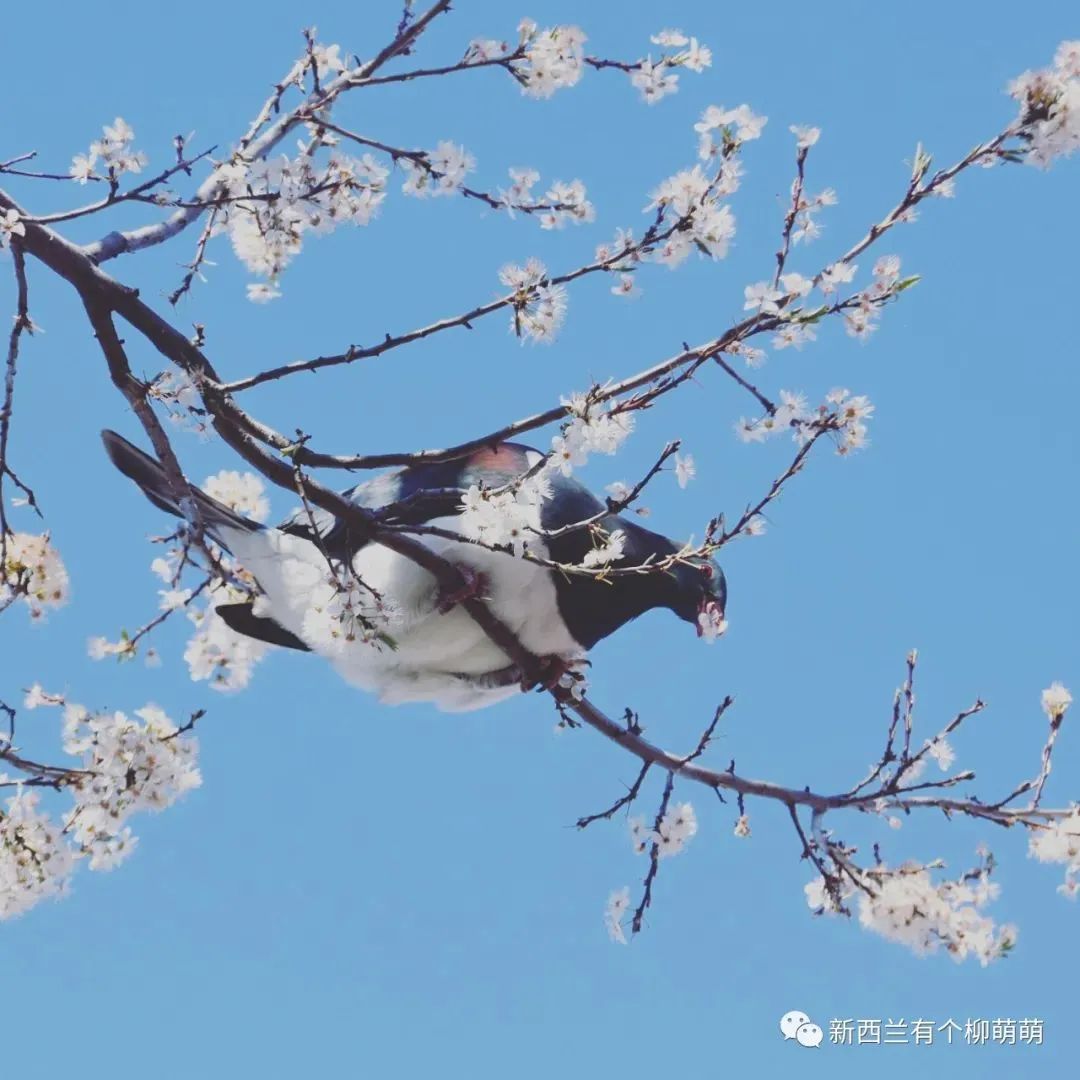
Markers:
point(474, 586)
point(555, 671)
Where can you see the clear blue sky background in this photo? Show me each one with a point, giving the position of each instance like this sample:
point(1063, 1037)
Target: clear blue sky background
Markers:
point(359, 891)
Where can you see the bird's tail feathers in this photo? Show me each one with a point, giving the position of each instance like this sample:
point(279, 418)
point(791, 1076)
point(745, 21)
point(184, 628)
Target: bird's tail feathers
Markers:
point(151, 477)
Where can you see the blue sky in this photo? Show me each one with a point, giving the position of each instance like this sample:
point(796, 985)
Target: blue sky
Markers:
point(364, 891)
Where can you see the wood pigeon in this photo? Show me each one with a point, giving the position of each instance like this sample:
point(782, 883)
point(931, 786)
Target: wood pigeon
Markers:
point(433, 650)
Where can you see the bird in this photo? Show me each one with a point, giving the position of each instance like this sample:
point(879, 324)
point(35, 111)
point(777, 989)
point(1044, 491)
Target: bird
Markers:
point(433, 650)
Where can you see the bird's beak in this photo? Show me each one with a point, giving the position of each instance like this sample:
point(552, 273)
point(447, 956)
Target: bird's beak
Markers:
point(710, 621)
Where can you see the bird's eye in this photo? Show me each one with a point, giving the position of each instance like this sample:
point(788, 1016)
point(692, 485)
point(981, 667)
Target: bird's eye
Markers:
point(707, 570)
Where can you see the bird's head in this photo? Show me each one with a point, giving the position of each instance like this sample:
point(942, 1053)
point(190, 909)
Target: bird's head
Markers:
point(701, 596)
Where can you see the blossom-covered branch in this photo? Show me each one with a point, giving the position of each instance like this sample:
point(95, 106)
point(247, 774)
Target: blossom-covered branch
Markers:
point(268, 207)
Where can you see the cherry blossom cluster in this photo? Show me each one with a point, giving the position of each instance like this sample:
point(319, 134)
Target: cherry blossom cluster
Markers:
point(862, 319)
point(691, 200)
point(539, 307)
point(1059, 842)
point(128, 765)
point(565, 202)
point(706, 224)
point(656, 80)
point(125, 766)
point(177, 394)
point(270, 205)
point(842, 412)
point(33, 572)
point(506, 518)
point(554, 58)
point(807, 227)
point(214, 653)
point(1050, 106)
point(345, 613)
point(675, 829)
point(906, 904)
point(441, 172)
point(110, 156)
point(591, 429)
point(35, 859)
point(607, 547)
point(243, 492)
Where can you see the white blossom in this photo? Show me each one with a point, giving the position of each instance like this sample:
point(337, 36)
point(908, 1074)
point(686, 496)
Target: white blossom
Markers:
point(796, 284)
point(554, 59)
point(609, 550)
point(794, 334)
point(275, 202)
point(805, 137)
point(1050, 106)
point(887, 271)
point(243, 492)
point(82, 168)
point(441, 172)
point(10, 225)
point(569, 204)
point(327, 59)
point(502, 519)
point(685, 469)
point(695, 198)
point(684, 192)
point(481, 49)
point(132, 766)
point(539, 307)
point(113, 150)
point(942, 752)
point(906, 905)
point(1059, 842)
point(654, 81)
point(793, 408)
point(35, 860)
point(670, 39)
point(1056, 700)
point(261, 292)
point(851, 412)
point(671, 835)
point(617, 905)
point(837, 274)
point(752, 357)
point(711, 623)
point(34, 573)
point(717, 124)
point(860, 322)
point(98, 648)
point(676, 828)
point(36, 697)
point(696, 58)
point(217, 654)
point(762, 296)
